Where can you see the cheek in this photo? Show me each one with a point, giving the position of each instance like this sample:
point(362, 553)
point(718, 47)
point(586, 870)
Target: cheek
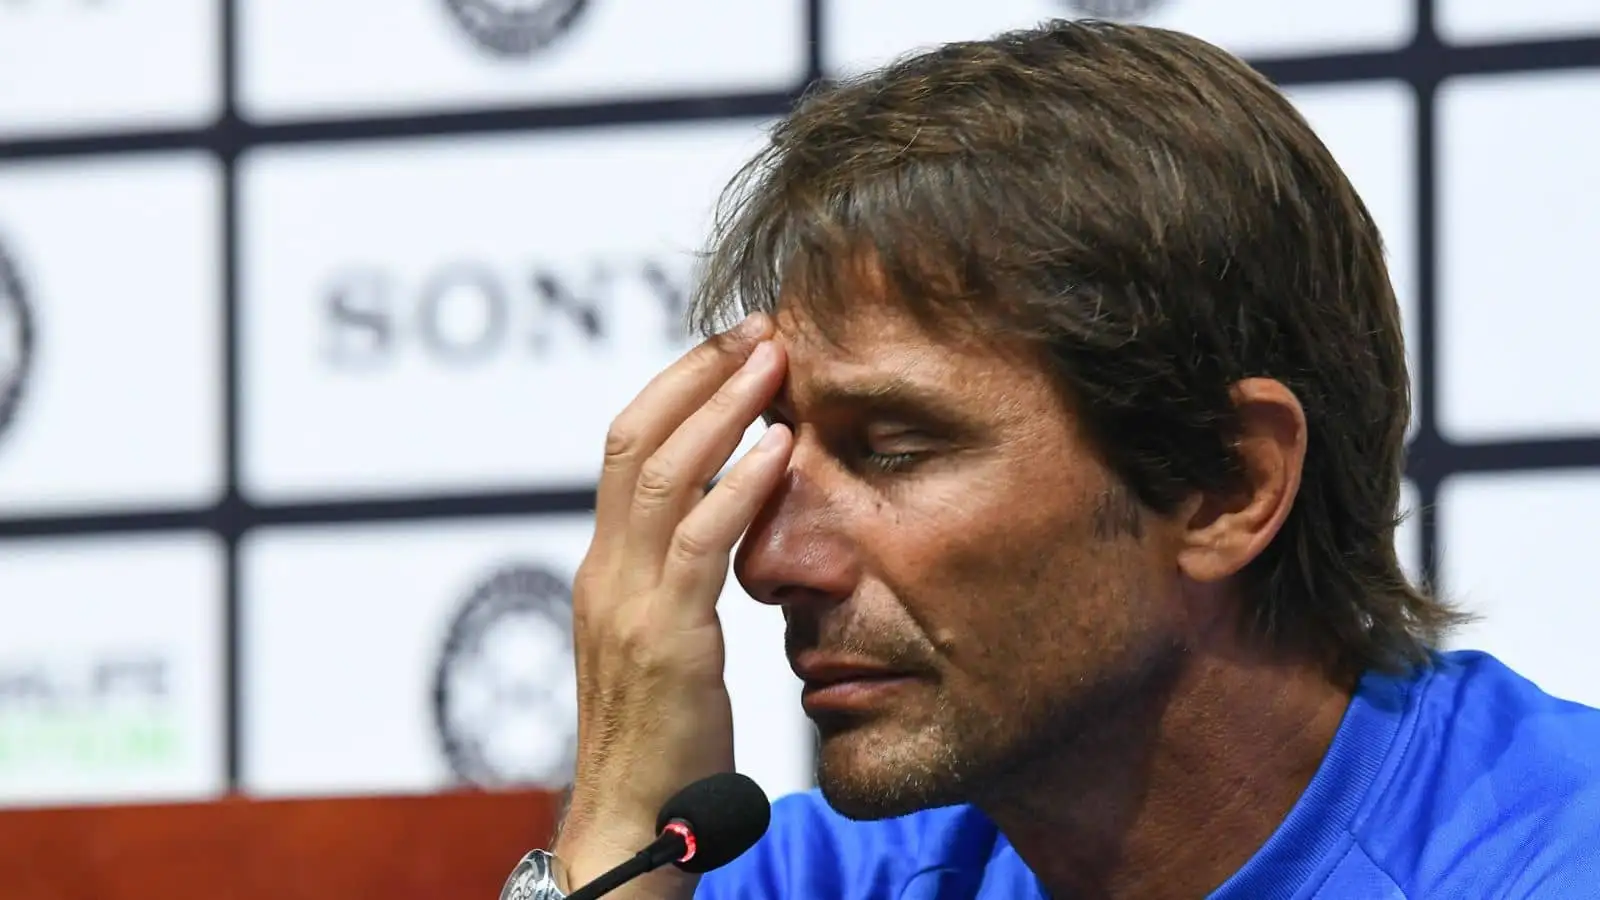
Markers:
point(1017, 585)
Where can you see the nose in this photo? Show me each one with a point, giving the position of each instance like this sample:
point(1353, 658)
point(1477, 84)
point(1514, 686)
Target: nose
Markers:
point(795, 551)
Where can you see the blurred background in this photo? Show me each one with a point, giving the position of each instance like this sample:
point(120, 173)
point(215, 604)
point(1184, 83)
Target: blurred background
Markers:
point(313, 314)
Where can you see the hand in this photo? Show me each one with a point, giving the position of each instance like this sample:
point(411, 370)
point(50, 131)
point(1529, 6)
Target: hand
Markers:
point(653, 711)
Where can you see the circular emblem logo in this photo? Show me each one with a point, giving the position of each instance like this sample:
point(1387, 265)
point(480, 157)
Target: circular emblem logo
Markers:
point(515, 28)
point(1113, 9)
point(16, 339)
point(505, 691)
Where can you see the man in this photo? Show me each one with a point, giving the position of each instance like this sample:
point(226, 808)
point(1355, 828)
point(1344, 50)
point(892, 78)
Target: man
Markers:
point(1087, 401)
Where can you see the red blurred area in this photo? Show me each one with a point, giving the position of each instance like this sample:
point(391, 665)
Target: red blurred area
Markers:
point(398, 848)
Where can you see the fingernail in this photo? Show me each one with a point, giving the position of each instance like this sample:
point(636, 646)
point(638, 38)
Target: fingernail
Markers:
point(754, 325)
point(769, 440)
point(761, 356)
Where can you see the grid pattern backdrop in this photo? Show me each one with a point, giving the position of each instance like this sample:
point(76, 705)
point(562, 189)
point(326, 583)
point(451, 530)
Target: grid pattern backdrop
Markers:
point(313, 314)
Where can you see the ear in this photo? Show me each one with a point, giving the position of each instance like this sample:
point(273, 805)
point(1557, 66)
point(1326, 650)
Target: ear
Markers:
point(1229, 529)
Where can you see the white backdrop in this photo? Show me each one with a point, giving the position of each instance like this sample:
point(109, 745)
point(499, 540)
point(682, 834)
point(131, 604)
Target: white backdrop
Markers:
point(312, 316)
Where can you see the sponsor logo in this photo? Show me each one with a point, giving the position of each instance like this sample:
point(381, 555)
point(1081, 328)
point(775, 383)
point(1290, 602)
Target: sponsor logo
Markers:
point(505, 689)
point(515, 29)
point(467, 313)
point(1114, 9)
point(111, 712)
point(16, 339)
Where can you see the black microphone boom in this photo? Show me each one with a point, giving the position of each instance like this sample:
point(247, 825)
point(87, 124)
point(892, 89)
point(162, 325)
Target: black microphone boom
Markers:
point(706, 825)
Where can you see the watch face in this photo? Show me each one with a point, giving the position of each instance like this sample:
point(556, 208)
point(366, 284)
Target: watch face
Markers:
point(532, 879)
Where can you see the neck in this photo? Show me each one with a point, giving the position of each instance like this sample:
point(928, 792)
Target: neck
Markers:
point(1177, 795)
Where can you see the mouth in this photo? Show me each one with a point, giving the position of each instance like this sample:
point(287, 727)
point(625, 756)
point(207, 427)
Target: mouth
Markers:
point(840, 686)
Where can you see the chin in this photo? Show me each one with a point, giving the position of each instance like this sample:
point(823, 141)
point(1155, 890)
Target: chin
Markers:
point(870, 772)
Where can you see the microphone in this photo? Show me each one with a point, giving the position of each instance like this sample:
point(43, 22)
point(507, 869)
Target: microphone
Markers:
point(704, 826)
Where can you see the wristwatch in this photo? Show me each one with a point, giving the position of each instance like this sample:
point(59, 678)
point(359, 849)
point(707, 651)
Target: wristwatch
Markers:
point(538, 876)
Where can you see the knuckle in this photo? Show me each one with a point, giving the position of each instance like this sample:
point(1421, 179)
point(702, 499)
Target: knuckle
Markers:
point(585, 584)
point(656, 484)
point(638, 643)
point(634, 636)
point(691, 548)
point(627, 637)
point(622, 443)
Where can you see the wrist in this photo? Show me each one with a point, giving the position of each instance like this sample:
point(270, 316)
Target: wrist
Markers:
point(587, 853)
point(590, 852)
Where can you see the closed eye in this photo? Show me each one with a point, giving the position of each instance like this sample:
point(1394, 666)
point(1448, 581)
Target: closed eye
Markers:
point(882, 447)
point(895, 449)
point(892, 462)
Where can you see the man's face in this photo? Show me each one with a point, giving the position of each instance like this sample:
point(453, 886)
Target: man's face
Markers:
point(967, 589)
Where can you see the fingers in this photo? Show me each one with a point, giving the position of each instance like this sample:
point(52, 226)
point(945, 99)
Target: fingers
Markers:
point(656, 413)
point(673, 479)
point(700, 547)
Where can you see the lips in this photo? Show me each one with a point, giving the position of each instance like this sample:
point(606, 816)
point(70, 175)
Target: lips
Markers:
point(855, 687)
point(820, 671)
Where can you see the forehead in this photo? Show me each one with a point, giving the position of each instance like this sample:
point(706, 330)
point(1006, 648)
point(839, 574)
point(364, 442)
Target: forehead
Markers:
point(864, 333)
point(876, 349)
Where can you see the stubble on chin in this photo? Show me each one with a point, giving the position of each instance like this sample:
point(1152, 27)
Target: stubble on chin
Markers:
point(879, 769)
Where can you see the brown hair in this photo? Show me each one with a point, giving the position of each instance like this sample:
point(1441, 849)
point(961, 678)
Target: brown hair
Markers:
point(1158, 219)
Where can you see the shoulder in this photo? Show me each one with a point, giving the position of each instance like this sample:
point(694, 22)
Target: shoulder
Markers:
point(1490, 725)
point(810, 850)
point(1500, 785)
point(1561, 852)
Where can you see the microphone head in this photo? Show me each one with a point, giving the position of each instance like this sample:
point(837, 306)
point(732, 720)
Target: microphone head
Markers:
point(727, 814)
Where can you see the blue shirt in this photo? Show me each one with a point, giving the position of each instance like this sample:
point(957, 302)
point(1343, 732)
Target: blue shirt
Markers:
point(1459, 780)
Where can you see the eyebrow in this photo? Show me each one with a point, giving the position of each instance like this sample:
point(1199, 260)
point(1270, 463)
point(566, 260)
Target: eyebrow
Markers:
point(891, 395)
